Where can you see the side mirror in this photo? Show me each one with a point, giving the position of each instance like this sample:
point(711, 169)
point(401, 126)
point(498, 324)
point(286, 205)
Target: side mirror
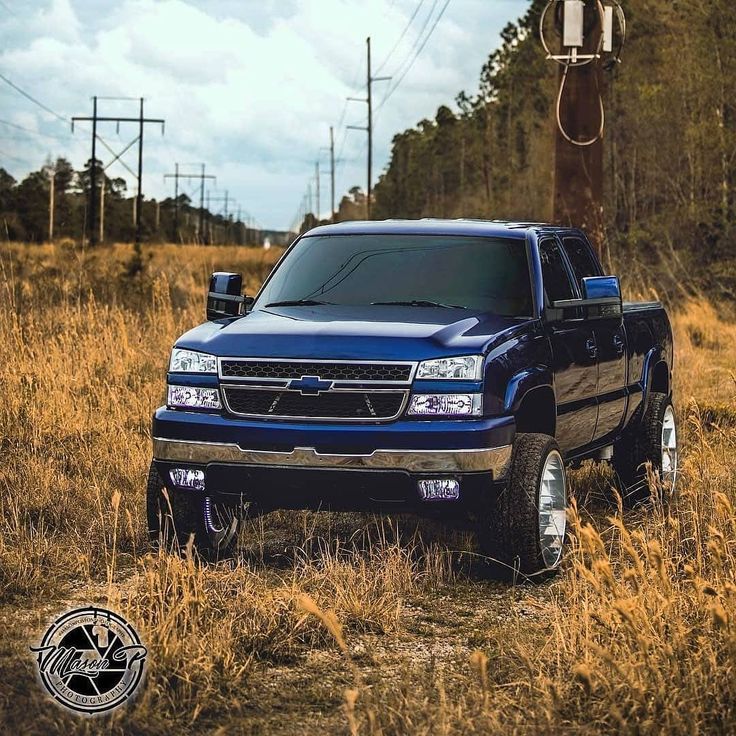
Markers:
point(225, 295)
point(601, 300)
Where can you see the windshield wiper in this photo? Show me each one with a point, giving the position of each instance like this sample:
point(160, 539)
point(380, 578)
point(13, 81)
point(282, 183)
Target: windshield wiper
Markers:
point(419, 303)
point(297, 303)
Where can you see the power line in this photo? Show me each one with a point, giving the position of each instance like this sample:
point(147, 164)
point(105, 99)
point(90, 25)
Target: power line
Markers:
point(33, 99)
point(418, 37)
point(401, 36)
point(403, 74)
point(14, 158)
point(32, 132)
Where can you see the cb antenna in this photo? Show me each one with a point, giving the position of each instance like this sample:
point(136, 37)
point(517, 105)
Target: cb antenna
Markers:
point(573, 25)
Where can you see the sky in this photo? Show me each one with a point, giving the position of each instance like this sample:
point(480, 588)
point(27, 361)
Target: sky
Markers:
point(249, 87)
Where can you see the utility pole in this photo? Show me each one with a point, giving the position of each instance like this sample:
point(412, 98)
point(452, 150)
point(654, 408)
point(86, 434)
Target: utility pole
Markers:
point(316, 178)
point(578, 189)
point(93, 173)
point(175, 177)
point(586, 43)
point(52, 183)
point(95, 119)
point(202, 176)
point(102, 210)
point(139, 208)
point(211, 199)
point(332, 174)
point(369, 127)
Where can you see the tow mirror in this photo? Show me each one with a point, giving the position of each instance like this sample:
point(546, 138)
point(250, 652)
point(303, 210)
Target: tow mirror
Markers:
point(601, 300)
point(225, 296)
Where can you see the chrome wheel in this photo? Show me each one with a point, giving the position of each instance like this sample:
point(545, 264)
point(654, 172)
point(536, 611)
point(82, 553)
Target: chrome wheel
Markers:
point(669, 449)
point(552, 505)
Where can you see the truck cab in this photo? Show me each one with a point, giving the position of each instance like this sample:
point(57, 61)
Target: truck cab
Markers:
point(452, 368)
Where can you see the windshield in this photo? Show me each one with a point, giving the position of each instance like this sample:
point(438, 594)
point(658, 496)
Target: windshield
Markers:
point(482, 274)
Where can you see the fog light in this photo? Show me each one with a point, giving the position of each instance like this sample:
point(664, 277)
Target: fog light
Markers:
point(187, 478)
point(439, 489)
point(191, 397)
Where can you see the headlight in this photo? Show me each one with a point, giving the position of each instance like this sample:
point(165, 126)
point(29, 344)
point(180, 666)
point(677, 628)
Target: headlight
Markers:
point(466, 368)
point(190, 361)
point(191, 397)
point(449, 405)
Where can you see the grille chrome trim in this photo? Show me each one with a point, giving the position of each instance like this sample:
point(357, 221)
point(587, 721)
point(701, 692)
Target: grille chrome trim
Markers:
point(494, 459)
point(413, 365)
point(293, 417)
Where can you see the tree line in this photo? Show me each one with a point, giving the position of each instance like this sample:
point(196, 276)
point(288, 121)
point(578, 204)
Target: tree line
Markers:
point(54, 202)
point(670, 142)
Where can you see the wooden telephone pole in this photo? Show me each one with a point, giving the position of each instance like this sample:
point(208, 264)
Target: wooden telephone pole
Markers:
point(578, 189)
point(52, 182)
point(370, 79)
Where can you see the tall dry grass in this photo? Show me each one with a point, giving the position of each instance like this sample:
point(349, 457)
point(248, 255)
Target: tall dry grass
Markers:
point(353, 624)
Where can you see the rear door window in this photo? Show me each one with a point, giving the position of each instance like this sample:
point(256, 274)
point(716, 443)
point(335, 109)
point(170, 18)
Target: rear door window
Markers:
point(557, 284)
point(581, 259)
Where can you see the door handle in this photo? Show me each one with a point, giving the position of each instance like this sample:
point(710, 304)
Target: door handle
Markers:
point(591, 347)
point(618, 343)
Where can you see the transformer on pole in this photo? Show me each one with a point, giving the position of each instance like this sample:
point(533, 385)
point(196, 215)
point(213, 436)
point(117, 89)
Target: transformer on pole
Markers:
point(584, 37)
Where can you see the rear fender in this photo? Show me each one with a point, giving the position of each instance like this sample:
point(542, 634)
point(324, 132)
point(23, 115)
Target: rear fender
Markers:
point(654, 358)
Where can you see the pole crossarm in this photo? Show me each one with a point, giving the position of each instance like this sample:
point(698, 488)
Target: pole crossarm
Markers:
point(79, 118)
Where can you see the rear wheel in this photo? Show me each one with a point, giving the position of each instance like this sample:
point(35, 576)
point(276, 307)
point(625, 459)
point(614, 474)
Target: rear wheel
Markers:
point(523, 531)
point(176, 517)
point(653, 440)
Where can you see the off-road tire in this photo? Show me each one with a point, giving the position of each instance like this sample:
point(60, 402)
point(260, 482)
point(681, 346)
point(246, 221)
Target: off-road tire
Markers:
point(641, 444)
point(509, 530)
point(176, 517)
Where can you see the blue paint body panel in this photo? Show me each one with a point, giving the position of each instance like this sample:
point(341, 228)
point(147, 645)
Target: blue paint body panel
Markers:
point(598, 372)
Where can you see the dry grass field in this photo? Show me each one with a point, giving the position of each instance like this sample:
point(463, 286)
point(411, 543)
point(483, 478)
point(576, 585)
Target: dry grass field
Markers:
point(338, 623)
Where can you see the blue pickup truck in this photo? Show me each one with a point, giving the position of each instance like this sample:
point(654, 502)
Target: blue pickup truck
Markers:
point(453, 368)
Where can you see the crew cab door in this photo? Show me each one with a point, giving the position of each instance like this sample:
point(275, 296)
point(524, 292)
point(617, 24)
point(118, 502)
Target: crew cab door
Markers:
point(610, 339)
point(574, 355)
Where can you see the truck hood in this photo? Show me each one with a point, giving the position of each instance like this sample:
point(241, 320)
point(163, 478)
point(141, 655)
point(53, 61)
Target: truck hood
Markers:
point(335, 332)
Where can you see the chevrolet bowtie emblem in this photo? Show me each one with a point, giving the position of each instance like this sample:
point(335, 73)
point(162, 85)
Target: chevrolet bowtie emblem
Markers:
point(310, 385)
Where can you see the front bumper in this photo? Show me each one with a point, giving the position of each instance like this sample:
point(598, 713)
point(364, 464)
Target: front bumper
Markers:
point(494, 460)
point(290, 465)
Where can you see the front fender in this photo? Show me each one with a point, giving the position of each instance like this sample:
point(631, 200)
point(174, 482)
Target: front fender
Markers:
point(524, 381)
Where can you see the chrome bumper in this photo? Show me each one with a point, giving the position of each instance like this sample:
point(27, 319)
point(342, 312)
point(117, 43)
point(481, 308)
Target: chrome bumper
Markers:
point(493, 459)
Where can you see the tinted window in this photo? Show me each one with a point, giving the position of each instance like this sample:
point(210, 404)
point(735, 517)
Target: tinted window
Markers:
point(581, 258)
point(484, 274)
point(556, 280)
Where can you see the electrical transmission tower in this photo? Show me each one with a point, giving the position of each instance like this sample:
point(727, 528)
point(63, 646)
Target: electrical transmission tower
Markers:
point(95, 119)
point(202, 177)
point(370, 79)
point(225, 199)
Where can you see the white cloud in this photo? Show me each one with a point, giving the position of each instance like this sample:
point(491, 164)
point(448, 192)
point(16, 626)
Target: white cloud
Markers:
point(249, 87)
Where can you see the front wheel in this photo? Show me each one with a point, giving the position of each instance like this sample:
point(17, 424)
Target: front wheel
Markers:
point(523, 531)
point(175, 518)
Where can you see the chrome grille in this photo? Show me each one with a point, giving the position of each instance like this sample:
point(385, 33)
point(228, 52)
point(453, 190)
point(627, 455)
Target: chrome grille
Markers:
point(341, 405)
point(338, 371)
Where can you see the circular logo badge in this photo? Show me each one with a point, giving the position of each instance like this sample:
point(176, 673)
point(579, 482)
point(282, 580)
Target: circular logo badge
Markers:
point(90, 660)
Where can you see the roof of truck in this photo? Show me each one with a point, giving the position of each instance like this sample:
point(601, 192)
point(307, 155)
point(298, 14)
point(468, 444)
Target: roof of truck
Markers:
point(431, 226)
